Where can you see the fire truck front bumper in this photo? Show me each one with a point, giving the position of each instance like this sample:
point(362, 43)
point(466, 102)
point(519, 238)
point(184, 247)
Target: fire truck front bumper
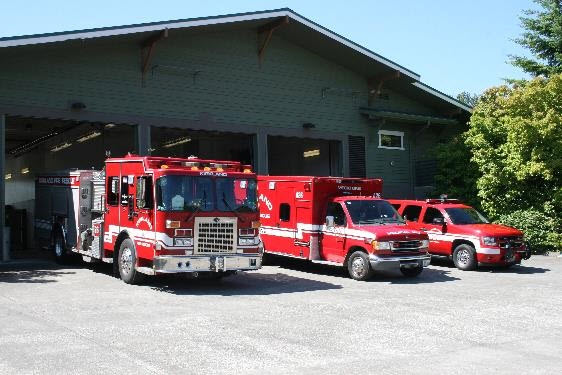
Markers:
point(209, 263)
point(388, 263)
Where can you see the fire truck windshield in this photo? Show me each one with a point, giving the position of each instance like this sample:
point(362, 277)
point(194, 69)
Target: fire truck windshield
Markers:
point(462, 216)
point(371, 212)
point(195, 193)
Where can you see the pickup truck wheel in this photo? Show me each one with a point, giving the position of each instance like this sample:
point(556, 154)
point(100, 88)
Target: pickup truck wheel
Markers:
point(126, 261)
point(464, 257)
point(411, 272)
point(359, 267)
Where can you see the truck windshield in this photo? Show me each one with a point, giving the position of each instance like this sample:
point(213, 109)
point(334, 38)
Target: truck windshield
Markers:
point(372, 212)
point(236, 194)
point(195, 193)
point(185, 193)
point(465, 215)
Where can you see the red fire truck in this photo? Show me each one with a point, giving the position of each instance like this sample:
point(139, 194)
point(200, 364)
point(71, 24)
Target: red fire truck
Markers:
point(153, 215)
point(338, 221)
point(462, 233)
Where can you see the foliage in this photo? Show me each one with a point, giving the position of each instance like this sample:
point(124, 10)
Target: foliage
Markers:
point(468, 98)
point(456, 174)
point(515, 137)
point(541, 231)
point(543, 37)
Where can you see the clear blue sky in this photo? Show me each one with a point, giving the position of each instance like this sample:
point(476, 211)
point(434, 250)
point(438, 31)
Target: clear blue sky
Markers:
point(454, 45)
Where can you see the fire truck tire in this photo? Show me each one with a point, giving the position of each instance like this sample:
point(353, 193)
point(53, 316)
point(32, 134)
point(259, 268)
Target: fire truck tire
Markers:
point(59, 248)
point(359, 267)
point(464, 257)
point(411, 272)
point(126, 262)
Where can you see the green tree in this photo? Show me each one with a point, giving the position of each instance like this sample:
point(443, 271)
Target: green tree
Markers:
point(468, 98)
point(515, 137)
point(543, 37)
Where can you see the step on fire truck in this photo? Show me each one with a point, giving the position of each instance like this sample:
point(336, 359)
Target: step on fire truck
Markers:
point(338, 221)
point(153, 215)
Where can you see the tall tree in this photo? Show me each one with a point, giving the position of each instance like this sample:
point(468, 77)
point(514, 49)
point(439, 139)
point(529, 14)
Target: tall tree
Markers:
point(468, 98)
point(543, 37)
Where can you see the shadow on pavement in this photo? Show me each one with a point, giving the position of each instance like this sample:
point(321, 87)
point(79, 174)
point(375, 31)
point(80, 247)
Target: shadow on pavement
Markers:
point(429, 275)
point(249, 284)
point(517, 268)
point(32, 271)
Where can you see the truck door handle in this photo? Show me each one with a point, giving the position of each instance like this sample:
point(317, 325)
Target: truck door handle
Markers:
point(339, 239)
point(424, 229)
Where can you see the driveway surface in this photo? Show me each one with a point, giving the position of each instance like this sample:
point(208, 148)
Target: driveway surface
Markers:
point(288, 318)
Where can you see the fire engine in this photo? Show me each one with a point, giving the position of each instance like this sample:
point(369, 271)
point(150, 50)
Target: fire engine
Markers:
point(462, 233)
point(153, 215)
point(338, 221)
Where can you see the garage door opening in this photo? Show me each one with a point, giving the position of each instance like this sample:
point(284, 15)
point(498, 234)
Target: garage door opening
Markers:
point(303, 156)
point(37, 146)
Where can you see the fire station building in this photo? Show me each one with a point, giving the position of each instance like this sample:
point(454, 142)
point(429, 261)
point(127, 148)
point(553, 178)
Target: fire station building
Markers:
point(270, 88)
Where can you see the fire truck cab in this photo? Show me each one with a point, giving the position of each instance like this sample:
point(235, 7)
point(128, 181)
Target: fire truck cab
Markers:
point(153, 215)
point(338, 221)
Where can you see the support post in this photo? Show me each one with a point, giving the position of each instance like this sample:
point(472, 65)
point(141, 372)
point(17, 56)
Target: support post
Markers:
point(5, 253)
point(376, 83)
point(147, 49)
point(142, 139)
point(261, 153)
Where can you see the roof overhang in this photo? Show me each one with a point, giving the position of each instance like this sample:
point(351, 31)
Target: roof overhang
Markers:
point(201, 22)
point(375, 114)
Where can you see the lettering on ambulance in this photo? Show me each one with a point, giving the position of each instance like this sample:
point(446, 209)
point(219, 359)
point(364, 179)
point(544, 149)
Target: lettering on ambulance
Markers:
point(268, 205)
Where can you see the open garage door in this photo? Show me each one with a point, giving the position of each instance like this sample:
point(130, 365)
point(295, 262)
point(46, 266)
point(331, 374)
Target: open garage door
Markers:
point(203, 144)
point(37, 146)
point(304, 156)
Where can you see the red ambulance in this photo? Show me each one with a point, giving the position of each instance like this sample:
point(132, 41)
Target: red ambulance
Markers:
point(461, 232)
point(153, 215)
point(338, 221)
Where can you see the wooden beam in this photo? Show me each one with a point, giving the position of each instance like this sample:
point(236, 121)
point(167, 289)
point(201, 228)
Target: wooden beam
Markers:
point(265, 32)
point(147, 49)
point(376, 83)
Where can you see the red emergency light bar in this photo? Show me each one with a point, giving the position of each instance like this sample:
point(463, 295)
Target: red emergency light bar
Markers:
point(442, 200)
point(197, 164)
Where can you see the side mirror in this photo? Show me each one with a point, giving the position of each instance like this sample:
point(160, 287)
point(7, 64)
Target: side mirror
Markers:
point(329, 221)
point(439, 221)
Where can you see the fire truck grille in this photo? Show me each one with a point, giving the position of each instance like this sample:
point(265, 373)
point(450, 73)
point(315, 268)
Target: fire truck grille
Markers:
point(405, 245)
point(215, 235)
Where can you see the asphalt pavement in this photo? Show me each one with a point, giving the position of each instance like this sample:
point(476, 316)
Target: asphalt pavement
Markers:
point(289, 317)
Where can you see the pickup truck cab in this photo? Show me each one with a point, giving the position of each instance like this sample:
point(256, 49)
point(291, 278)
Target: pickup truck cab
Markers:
point(338, 221)
point(459, 231)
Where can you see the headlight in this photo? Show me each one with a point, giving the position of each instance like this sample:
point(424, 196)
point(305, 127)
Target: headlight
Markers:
point(490, 241)
point(425, 243)
point(248, 241)
point(381, 245)
point(188, 242)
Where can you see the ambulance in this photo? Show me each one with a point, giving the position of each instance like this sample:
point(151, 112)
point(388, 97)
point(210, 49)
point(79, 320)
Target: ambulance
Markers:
point(338, 221)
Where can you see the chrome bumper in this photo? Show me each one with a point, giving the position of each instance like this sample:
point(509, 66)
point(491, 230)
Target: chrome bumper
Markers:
point(394, 263)
point(202, 263)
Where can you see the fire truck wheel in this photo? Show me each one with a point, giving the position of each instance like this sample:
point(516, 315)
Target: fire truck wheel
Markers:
point(464, 257)
point(359, 267)
point(126, 262)
point(59, 250)
point(411, 272)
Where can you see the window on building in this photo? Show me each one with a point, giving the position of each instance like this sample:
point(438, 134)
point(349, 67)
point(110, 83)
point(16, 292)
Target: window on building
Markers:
point(391, 139)
point(112, 191)
point(430, 214)
point(284, 212)
point(412, 213)
point(336, 210)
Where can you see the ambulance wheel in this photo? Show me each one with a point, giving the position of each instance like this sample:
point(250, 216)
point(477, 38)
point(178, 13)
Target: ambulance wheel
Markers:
point(126, 262)
point(464, 257)
point(411, 272)
point(59, 248)
point(359, 267)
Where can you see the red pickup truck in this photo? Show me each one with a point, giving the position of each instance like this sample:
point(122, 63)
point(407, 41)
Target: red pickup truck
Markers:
point(461, 232)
